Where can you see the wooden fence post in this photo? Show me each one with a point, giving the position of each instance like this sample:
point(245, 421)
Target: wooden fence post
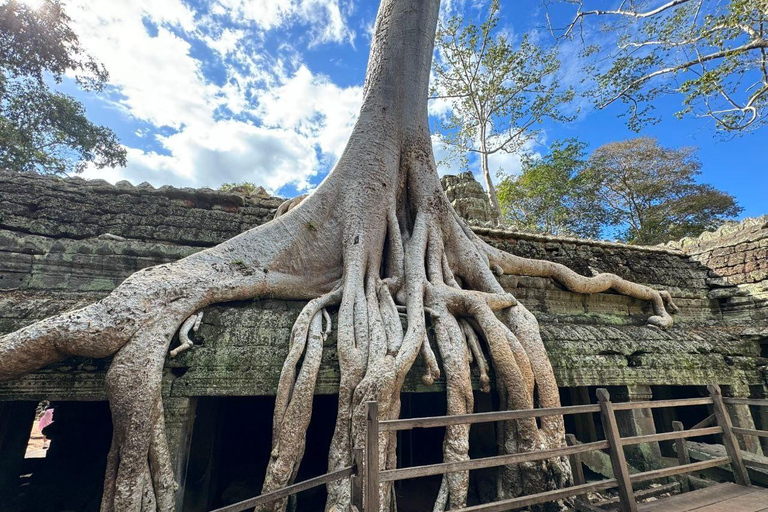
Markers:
point(682, 456)
point(618, 461)
point(358, 461)
point(576, 470)
point(729, 439)
point(372, 457)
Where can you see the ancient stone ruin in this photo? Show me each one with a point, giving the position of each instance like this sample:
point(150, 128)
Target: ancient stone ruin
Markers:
point(65, 243)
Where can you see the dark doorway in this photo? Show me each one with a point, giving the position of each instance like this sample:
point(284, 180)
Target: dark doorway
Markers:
point(231, 443)
point(688, 415)
point(70, 476)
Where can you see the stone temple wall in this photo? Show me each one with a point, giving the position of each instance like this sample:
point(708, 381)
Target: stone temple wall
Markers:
point(736, 256)
point(67, 242)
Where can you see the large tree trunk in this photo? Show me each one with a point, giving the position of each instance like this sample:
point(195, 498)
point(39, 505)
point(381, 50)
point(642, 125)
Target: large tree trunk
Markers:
point(376, 239)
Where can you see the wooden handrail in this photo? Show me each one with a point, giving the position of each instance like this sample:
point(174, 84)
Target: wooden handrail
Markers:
point(760, 402)
point(542, 497)
point(749, 432)
point(667, 436)
point(627, 501)
point(729, 440)
point(642, 494)
point(371, 482)
point(683, 455)
point(679, 470)
point(287, 491)
point(483, 417)
point(709, 420)
point(577, 471)
point(392, 475)
point(614, 443)
point(655, 404)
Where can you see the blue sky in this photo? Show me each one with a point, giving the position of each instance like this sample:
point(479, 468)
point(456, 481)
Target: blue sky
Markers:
point(206, 92)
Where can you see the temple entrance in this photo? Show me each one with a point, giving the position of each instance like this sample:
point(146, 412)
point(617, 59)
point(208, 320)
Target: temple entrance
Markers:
point(231, 443)
point(64, 475)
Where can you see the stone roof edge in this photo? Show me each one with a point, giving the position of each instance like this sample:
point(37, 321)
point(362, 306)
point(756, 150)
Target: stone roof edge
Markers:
point(537, 237)
point(126, 187)
point(693, 245)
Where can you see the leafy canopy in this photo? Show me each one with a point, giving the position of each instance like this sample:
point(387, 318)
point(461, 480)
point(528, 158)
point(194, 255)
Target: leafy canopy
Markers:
point(637, 190)
point(651, 191)
point(553, 195)
point(714, 53)
point(40, 129)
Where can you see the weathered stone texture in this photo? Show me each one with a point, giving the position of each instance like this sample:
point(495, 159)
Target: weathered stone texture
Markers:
point(78, 209)
point(468, 198)
point(661, 268)
point(66, 242)
point(736, 256)
point(736, 253)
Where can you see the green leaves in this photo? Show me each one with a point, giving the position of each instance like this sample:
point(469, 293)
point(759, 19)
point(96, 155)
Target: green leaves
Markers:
point(553, 194)
point(713, 53)
point(38, 41)
point(644, 192)
point(499, 91)
point(42, 130)
point(650, 191)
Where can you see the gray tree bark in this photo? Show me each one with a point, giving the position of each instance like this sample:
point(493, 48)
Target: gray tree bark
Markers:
point(490, 188)
point(377, 238)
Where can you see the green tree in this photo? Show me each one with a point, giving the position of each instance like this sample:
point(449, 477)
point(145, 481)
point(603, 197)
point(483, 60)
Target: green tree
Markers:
point(652, 191)
point(713, 53)
point(498, 91)
point(40, 129)
point(553, 195)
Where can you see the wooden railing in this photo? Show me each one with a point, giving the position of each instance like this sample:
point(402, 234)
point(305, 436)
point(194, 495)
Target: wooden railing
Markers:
point(290, 490)
point(748, 401)
point(366, 477)
point(718, 423)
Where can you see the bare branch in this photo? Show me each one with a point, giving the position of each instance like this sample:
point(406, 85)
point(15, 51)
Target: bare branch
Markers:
point(580, 15)
point(449, 96)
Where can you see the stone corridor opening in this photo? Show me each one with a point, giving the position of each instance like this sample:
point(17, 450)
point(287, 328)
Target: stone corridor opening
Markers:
point(69, 476)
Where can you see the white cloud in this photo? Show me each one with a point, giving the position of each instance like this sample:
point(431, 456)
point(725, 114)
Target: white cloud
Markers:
point(284, 116)
point(157, 78)
point(315, 107)
point(227, 41)
point(227, 151)
point(440, 107)
point(445, 165)
point(508, 163)
point(325, 19)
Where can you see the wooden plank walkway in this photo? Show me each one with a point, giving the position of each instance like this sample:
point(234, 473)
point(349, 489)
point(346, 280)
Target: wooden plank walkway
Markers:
point(725, 497)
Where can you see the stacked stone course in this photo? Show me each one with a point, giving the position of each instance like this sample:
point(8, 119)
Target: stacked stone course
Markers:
point(67, 242)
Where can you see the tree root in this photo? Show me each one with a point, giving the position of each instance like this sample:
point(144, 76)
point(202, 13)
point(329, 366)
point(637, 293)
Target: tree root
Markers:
point(511, 264)
point(289, 437)
point(190, 324)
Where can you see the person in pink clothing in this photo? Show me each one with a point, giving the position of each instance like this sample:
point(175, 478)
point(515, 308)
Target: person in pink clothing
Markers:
point(45, 420)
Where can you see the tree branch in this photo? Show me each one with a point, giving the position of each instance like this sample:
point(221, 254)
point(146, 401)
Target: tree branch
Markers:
point(448, 96)
point(621, 12)
point(753, 45)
